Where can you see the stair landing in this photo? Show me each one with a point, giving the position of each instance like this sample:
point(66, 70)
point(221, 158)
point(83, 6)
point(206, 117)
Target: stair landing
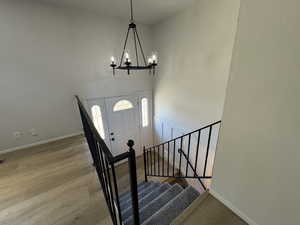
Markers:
point(207, 210)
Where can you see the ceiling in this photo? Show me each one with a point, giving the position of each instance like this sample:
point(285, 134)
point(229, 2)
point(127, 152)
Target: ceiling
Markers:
point(145, 11)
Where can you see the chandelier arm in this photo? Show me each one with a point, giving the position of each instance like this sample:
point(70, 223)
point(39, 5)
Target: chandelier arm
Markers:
point(136, 50)
point(124, 48)
point(137, 35)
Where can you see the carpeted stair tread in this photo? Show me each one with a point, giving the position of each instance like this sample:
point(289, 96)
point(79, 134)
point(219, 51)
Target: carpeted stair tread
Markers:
point(145, 188)
point(146, 200)
point(156, 204)
point(143, 192)
point(154, 194)
point(174, 208)
point(126, 195)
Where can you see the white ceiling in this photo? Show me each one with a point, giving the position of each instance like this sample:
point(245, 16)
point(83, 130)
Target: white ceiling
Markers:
point(145, 11)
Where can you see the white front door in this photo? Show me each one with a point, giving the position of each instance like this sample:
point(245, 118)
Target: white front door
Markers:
point(123, 122)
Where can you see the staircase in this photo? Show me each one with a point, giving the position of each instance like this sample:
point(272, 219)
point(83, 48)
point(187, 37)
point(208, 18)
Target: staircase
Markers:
point(149, 202)
point(159, 203)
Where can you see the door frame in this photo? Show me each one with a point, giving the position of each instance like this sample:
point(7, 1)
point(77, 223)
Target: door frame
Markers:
point(139, 95)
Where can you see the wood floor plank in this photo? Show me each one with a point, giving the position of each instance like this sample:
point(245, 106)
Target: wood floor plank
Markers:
point(52, 184)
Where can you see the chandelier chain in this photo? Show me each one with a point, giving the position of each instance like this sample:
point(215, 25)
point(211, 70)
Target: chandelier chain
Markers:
point(140, 44)
point(136, 49)
point(131, 8)
point(124, 48)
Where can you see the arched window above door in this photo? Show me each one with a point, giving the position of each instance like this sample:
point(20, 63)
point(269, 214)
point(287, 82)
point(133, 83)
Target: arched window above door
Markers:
point(97, 120)
point(122, 105)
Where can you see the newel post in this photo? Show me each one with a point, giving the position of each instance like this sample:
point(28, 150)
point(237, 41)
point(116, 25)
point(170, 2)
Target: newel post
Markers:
point(133, 183)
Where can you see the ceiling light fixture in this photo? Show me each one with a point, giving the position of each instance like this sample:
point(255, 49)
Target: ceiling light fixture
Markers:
point(127, 63)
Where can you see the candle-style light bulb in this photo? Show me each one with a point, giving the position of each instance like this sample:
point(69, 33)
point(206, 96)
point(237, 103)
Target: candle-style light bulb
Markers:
point(154, 58)
point(150, 61)
point(113, 64)
point(112, 60)
point(127, 58)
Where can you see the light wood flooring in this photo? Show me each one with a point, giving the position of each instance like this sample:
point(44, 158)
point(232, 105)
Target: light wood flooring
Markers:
point(56, 184)
point(53, 184)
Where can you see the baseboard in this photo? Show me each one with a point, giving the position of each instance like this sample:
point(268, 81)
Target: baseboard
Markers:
point(39, 143)
point(232, 207)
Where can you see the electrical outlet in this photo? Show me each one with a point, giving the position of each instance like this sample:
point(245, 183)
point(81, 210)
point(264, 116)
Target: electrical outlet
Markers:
point(33, 132)
point(17, 135)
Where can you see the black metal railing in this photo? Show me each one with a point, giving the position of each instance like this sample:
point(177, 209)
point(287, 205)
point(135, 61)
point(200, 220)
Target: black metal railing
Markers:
point(174, 158)
point(105, 165)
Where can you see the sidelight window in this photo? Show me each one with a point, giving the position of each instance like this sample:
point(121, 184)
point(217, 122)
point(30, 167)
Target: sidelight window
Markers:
point(145, 112)
point(97, 120)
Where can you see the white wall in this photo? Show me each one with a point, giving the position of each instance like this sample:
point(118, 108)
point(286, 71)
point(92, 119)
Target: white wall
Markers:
point(195, 49)
point(257, 164)
point(47, 56)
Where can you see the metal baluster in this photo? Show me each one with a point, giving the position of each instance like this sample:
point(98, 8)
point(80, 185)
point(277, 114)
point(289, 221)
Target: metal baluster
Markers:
point(188, 156)
point(168, 158)
point(111, 192)
point(148, 163)
point(181, 144)
point(207, 150)
point(154, 161)
point(145, 164)
point(158, 157)
point(163, 160)
point(116, 192)
point(99, 169)
point(174, 151)
point(151, 159)
point(198, 145)
point(110, 204)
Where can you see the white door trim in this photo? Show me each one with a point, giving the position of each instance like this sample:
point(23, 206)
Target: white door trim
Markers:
point(139, 95)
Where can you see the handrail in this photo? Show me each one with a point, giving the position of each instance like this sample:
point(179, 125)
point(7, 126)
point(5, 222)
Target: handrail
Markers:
point(153, 155)
point(104, 163)
point(194, 170)
point(94, 130)
point(184, 135)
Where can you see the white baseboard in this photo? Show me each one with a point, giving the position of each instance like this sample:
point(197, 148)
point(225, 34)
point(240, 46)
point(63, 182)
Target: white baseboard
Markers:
point(232, 207)
point(39, 143)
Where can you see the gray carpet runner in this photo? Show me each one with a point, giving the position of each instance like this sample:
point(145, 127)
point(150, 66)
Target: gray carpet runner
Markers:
point(141, 193)
point(159, 203)
point(127, 194)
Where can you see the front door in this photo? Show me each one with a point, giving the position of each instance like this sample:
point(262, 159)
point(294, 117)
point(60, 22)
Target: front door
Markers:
point(123, 122)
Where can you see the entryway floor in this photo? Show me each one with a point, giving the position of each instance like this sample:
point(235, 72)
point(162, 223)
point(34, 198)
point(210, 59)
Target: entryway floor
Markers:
point(56, 184)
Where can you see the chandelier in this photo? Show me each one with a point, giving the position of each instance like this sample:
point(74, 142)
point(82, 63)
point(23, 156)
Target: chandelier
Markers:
point(140, 63)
